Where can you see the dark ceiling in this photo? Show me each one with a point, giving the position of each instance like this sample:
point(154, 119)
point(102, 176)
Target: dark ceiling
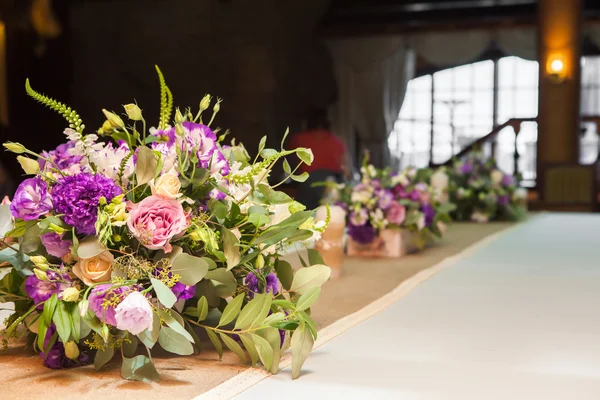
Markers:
point(348, 17)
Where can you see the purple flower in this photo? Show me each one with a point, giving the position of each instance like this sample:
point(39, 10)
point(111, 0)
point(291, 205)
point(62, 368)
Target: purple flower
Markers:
point(360, 217)
point(503, 200)
point(200, 138)
point(183, 292)
point(31, 199)
point(252, 283)
point(272, 285)
point(386, 198)
point(400, 191)
point(61, 157)
point(364, 234)
point(78, 198)
point(56, 358)
point(466, 167)
point(103, 300)
point(54, 244)
point(40, 290)
point(429, 213)
point(507, 180)
point(167, 136)
point(415, 195)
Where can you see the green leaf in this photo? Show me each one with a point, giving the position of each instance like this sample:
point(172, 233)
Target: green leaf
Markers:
point(272, 336)
point(197, 340)
point(274, 235)
point(130, 348)
point(49, 309)
point(190, 269)
point(145, 165)
point(306, 155)
point(30, 241)
point(284, 304)
point(42, 330)
point(250, 312)
point(285, 135)
point(230, 248)
point(302, 344)
point(286, 167)
point(285, 273)
point(250, 347)
point(103, 356)
point(266, 153)
point(210, 262)
point(314, 257)
point(174, 342)
point(232, 310)
point(225, 281)
point(274, 319)
point(262, 143)
point(62, 320)
point(170, 320)
point(300, 178)
point(273, 196)
point(265, 351)
point(308, 298)
point(6, 220)
point(163, 293)
point(139, 368)
point(20, 227)
point(264, 311)
point(202, 308)
point(258, 220)
point(15, 258)
point(233, 346)
point(149, 338)
point(215, 341)
point(308, 278)
point(75, 318)
point(217, 208)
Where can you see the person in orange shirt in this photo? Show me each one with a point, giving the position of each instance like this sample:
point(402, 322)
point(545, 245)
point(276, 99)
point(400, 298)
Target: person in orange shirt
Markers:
point(330, 157)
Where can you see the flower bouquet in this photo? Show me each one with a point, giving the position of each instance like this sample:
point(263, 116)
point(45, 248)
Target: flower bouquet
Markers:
point(482, 192)
point(390, 214)
point(132, 239)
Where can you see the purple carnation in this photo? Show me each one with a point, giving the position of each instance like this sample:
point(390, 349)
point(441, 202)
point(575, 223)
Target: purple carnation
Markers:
point(503, 200)
point(363, 234)
point(54, 244)
point(429, 213)
point(56, 357)
point(31, 199)
point(78, 198)
point(61, 156)
point(101, 296)
point(41, 291)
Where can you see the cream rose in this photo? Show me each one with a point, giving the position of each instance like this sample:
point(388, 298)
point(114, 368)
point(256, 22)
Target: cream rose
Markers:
point(96, 269)
point(166, 186)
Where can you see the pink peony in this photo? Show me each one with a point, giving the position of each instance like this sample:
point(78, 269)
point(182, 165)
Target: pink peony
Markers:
point(396, 213)
point(134, 314)
point(155, 220)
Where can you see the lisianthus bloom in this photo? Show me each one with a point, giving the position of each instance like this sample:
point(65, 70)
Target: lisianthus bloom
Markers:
point(154, 221)
point(271, 284)
point(423, 191)
point(386, 198)
point(134, 314)
point(362, 193)
point(96, 269)
point(429, 213)
point(31, 199)
point(55, 245)
point(364, 234)
point(466, 167)
point(78, 198)
point(63, 158)
point(42, 290)
point(56, 358)
point(360, 217)
point(202, 140)
point(103, 300)
point(396, 214)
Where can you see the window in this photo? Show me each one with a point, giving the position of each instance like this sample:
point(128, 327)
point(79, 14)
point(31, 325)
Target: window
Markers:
point(455, 106)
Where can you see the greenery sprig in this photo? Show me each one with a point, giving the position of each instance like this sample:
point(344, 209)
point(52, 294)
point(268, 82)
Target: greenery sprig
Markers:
point(68, 113)
point(166, 100)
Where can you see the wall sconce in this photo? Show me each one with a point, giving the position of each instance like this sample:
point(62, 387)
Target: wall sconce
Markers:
point(556, 69)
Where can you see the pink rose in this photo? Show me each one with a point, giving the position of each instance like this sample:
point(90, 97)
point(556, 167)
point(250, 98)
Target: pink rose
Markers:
point(396, 213)
point(155, 220)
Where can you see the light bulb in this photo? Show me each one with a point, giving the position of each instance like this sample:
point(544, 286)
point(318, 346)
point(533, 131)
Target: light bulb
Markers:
point(556, 66)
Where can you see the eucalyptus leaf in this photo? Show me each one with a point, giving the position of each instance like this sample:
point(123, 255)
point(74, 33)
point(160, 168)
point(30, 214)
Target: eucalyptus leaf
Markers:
point(314, 257)
point(166, 297)
point(258, 220)
point(274, 338)
point(285, 135)
point(190, 269)
point(202, 308)
point(217, 208)
point(90, 247)
point(250, 347)
point(174, 342)
point(233, 346)
point(129, 348)
point(145, 165)
point(232, 310)
point(265, 351)
point(225, 284)
point(177, 326)
point(302, 344)
point(306, 155)
point(103, 356)
point(308, 278)
point(215, 342)
point(266, 153)
point(149, 338)
point(250, 312)
point(139, 368)
point(262, 143)
point(230, 248)
point(308, 298)
point(300, 178)
point(286, 167)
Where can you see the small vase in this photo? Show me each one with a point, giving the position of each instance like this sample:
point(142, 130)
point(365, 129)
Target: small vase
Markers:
point(331, 244)
point(390, 243)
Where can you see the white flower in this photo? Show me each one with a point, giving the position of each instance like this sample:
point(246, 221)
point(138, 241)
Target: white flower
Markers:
point(421, 221)
point(108, 160)
point(400, 179)
point(372, 171)
point(520, 194)
point(496, 177)
point(439, 180)
point(134, 314)
point(166, 185)
point(479, 217)
point(280, 213)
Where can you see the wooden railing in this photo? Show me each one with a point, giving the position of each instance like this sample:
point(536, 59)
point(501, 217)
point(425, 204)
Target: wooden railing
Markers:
point(515, 124)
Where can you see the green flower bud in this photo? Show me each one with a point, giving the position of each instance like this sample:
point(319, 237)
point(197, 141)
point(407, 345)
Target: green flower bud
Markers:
point(40, 262)
point(41, 275)
point(83, 307)
point(116, 237)
point(260, 261)
point(179, 118)
point(205, 102)
point(102, 201)
point(133, 112)
point(104, 333)
point(17, 148)
point(114, 119)
point(72, 350)
point(70, 294)
point(31, 167)
point(217, 107)
point(57, 229)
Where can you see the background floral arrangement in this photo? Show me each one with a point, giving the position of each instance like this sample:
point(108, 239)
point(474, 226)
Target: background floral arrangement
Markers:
point(131, 238)
point(482, 192)
point(388, 200)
